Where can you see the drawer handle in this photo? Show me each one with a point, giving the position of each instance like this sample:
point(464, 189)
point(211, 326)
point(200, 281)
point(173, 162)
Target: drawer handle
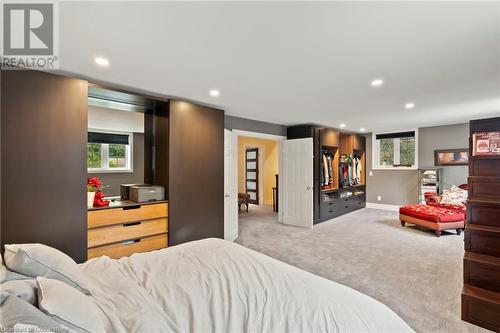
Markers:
point(331, 203)
point(346, 206)
point(330, 211)
point(131, 242)
point(131, 224)
point(131, 207)
point(346, 199)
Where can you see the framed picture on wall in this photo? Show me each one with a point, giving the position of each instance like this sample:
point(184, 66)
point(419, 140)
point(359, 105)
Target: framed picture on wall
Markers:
point(447, 157)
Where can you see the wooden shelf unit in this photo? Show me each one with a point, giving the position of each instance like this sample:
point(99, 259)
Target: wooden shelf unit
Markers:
point(481, 292)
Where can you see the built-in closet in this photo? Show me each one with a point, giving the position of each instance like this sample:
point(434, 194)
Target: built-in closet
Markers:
point(339, 170)
point(44, 169)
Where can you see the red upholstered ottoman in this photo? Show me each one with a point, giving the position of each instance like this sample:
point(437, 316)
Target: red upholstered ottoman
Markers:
point(433, 217)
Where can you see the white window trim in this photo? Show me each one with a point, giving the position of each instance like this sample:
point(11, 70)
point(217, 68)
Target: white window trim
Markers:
point(376, 150)
point(129, 152)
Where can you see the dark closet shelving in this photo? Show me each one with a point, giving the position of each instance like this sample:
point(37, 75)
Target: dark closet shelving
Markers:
point(328, 201)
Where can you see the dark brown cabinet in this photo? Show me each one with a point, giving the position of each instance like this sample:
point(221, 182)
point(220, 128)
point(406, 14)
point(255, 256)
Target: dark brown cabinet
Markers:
point(196, 189)
point(44, 168)
point(481, 292)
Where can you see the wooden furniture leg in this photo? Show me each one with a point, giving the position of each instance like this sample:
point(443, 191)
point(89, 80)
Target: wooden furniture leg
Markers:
point(438, 233)
point(403, 223)
point(459, 231)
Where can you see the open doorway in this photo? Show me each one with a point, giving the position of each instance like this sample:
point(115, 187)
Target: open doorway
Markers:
point(258, 177)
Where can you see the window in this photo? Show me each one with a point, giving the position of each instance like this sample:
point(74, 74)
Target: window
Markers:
point(395, 151)
point(109, 152)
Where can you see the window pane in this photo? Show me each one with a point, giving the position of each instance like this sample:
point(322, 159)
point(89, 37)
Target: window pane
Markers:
point(251, 165)
point(251, 185)
point(117, 156)
point(251, 175)
point(407, 151)
point(251, 154)
point(93, 155)
point(387, 152)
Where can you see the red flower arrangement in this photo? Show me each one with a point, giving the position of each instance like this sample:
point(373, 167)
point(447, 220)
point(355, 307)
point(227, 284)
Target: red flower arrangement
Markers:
point(94, 184)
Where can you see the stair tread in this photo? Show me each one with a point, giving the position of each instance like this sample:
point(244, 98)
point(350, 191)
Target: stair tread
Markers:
point(479, 227)
point(484, 200)
point(483, 294)
point(483, 258)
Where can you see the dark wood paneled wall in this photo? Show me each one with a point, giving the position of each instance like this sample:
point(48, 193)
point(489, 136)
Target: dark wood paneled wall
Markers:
point(43, 157)
point(196, 182)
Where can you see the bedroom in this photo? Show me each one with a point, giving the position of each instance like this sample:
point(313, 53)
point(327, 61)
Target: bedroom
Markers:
point(382, 120)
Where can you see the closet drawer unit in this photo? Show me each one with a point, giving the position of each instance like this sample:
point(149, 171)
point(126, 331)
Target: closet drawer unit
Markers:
point(330, 210)
point(127, 248)
point(126, 231)
point(105, 217)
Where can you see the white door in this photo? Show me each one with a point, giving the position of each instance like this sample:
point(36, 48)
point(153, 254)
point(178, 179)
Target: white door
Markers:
point(230, 185)
point(298, 182)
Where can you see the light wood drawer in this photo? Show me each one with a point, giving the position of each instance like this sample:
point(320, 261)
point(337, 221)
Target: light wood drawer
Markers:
point(127, 231)
point(100, 218)
point(119, 250)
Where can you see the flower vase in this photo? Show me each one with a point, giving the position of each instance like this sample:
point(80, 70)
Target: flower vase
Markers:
point(90, 199)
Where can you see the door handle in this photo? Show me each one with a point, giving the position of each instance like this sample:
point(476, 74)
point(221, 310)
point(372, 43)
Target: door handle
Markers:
point(308, 188)
point(226, 195)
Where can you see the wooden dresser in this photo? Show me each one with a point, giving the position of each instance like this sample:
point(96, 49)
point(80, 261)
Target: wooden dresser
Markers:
point(126, 228)
point(481, 292)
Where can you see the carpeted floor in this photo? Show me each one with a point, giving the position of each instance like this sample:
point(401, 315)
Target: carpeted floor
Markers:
point(416, 274)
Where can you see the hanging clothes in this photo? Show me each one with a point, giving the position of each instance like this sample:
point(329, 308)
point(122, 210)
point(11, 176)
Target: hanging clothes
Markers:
point(326, 173)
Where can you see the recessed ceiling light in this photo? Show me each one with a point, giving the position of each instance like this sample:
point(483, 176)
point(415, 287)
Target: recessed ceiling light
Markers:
point(342, 125)
point(409, 105)
point(214, 93)
point(362, 129)
point(101, 61)
point(377, 82)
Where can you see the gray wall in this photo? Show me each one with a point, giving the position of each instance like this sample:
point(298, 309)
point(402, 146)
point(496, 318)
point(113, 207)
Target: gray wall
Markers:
point(250, 125)
point(112, 181)
point(400, 187)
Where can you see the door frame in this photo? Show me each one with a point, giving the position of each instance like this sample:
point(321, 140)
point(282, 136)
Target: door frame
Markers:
point(280, 139)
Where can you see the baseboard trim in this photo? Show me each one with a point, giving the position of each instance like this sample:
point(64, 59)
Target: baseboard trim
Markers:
point(373, 205)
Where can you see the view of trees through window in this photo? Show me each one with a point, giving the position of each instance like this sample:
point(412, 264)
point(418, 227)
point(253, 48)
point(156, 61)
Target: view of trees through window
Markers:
point(387, 151)
point(397, 152)
point(117, 156)
point(106, 156)
point(407, 151)
point(94, 155)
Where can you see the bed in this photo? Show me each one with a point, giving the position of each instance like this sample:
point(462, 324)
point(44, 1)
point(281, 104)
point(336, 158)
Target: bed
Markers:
point(213, 285)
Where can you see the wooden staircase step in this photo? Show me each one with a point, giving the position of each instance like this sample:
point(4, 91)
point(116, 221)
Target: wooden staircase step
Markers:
point(482, 239)
point(482, 271)
point(481, 307)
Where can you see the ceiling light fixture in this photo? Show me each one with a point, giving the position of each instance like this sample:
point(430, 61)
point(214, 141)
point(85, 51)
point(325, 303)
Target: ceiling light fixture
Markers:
point(101, 61)
point(409, 105)
point(377, 82)
point(362, 129)
point(342, 125)
point(214, 93)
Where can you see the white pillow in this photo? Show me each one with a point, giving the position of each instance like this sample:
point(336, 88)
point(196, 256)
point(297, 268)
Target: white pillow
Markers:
point(69, 307)
point(25, 289)
point(40, 260)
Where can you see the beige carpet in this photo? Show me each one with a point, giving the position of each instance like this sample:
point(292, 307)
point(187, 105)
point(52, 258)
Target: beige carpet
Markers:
point(416, 274)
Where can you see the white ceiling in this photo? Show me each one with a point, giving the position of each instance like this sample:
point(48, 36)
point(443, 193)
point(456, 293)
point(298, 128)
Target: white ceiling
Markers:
point(298, 62)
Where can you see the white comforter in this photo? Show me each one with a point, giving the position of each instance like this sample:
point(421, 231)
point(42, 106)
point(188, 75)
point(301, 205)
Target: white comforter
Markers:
point(217, 286)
